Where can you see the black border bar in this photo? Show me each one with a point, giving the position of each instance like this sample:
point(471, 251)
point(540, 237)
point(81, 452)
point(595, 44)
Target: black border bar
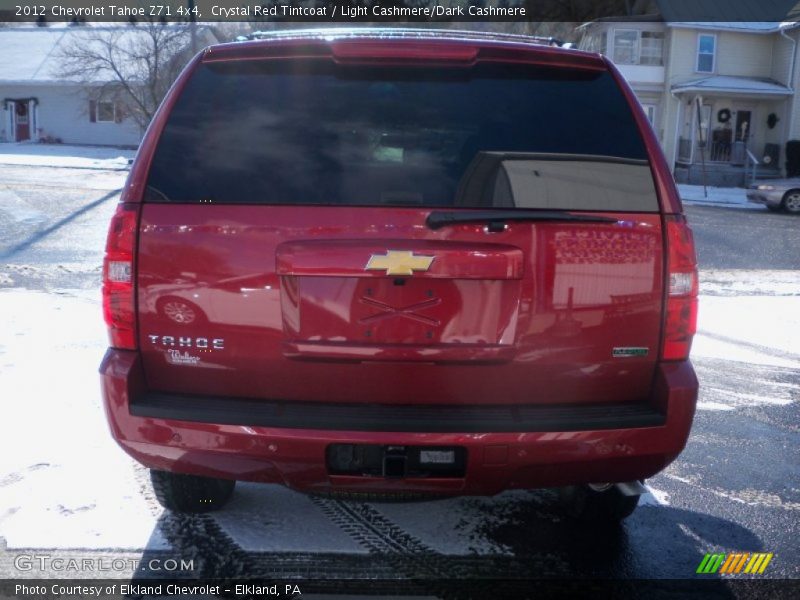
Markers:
point(395, 418)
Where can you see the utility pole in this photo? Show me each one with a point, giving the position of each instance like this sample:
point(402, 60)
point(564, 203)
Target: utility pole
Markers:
point(192, 25)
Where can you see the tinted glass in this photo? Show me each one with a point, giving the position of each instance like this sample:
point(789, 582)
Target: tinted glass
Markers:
point(314, 133)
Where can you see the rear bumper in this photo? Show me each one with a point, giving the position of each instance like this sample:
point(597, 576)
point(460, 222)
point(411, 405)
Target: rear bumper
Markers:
point(270, 442)
point(765, 197)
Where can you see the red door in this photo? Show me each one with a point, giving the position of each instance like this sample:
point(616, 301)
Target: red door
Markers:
point(22, 120)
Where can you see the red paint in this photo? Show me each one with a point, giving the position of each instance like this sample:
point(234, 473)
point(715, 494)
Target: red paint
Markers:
point(231, 262)
point(411, 49)
point(527, 315)
point(295, 457)
point(451, 260)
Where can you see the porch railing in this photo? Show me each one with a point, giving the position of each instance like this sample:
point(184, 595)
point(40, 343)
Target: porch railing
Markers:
point(751, 158)
point(734, 153)
point(720, 152)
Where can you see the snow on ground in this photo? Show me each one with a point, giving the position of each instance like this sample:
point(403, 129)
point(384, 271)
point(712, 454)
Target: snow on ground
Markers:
point(458, 525)
point(722, 196)
point(63, 481)
point(749, 316)
point(273, 518)
point(761, 330)
point(18, 211)
point(654, 497)
point(64, 155)
point(737, 282)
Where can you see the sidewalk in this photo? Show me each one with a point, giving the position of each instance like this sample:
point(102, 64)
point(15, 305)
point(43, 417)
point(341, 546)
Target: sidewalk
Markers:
point(65, 156)
point(717, 196)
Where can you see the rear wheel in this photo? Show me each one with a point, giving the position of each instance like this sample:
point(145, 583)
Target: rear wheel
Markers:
point(190, 493)
point(791, 202)
point(597, 504)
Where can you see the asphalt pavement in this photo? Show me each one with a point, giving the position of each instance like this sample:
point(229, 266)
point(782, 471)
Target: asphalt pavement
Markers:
point(67, 491)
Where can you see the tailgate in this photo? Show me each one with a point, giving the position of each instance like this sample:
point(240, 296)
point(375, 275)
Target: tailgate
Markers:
point(481, 234)
point(547, 313)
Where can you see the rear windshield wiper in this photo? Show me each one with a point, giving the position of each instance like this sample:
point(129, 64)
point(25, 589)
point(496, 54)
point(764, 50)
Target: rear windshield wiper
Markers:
point(496, 219)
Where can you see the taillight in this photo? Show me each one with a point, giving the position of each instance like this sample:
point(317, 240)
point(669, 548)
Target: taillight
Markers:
point(118, 277)
point(681, 315)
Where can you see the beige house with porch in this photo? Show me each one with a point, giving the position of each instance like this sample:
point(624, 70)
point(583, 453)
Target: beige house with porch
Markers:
point(720, 96)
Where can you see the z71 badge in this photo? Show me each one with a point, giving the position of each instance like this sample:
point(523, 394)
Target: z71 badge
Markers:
point(628, 352)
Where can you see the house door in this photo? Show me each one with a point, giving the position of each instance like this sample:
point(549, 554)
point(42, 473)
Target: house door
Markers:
point(22, 121)
point(742, 132)
point(744, 120)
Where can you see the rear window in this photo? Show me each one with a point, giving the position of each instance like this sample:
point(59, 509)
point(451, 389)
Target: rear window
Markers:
point(314, 133)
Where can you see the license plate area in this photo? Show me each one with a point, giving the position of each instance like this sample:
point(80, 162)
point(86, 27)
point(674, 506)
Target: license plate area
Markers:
point(377, 311)
point(374, 460)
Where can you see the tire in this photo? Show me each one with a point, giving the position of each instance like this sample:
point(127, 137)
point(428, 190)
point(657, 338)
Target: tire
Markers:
point(600, 507)
point(190, 493)
point(791, 202)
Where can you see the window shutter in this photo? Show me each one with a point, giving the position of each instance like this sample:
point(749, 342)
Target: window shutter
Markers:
point(92, 111)
point(118, 114)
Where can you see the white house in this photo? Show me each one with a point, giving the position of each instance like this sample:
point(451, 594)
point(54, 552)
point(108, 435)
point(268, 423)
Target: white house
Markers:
point(721, 96)
point(38, 104)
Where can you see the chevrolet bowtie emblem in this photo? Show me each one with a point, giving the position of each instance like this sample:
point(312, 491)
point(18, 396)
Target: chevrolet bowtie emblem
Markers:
point(398, 262)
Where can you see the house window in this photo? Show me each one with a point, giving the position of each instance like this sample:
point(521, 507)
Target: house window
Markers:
point(652, 48)
point(596, 43)
point(706, 51)
point(634, 47)
point(650, 111)
point(626, 46)
point(105, 112)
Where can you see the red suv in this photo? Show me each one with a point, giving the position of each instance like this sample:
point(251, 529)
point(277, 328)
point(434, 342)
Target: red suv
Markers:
point(397, 262)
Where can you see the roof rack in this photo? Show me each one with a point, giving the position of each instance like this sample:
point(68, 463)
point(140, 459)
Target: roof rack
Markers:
point(399, 32)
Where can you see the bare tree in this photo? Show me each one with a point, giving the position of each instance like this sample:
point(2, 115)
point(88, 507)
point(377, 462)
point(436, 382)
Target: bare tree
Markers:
point(132, 65)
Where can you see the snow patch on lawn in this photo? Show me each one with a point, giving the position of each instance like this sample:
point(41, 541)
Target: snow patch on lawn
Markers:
point(66, 483)
point(64, 155)
point(724, 196)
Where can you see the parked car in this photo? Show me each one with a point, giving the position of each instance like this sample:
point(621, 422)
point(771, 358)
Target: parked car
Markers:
point(777, 194)
point(472, 273)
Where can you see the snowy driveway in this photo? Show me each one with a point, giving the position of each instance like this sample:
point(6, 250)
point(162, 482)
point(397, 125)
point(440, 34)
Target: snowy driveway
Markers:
point(66, 489)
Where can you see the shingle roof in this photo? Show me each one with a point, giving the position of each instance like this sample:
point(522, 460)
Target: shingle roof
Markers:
point(751, 11)
point(25, 53)
point(733, 85)
point(746, 27)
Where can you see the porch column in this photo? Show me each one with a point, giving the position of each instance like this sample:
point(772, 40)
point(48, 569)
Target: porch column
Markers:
point(33, 119)
point(10, 135)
